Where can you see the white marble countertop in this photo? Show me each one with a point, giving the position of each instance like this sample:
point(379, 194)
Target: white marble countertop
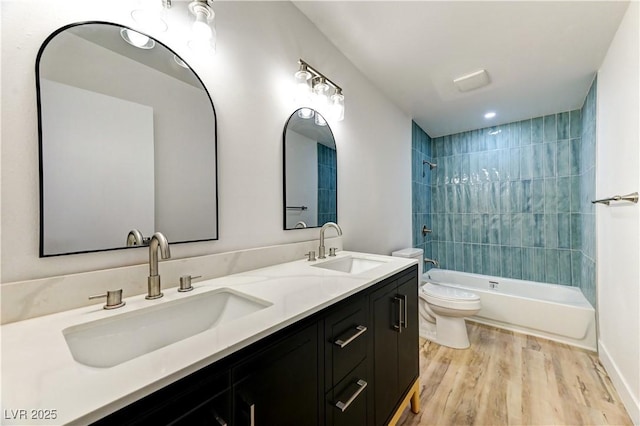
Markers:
point(40, 374)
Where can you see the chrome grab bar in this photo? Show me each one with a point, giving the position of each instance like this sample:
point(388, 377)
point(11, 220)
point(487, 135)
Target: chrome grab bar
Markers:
point(633, 197)
point(297, 208)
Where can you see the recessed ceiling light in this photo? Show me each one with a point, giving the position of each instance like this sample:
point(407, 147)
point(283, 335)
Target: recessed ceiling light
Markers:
point(489, 115)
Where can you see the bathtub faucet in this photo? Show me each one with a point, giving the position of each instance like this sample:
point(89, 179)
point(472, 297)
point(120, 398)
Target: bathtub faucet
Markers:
point(432, 261)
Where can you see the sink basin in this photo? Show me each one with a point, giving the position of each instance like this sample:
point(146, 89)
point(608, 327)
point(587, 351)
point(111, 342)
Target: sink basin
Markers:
point(111, 341)
point(350, 264)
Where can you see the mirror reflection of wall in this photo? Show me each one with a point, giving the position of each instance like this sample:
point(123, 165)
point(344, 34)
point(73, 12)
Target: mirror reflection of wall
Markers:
point(128, 141)
point(310, 171)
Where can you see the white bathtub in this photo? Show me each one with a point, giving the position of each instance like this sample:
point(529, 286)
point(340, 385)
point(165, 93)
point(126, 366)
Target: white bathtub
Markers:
point(555, 312)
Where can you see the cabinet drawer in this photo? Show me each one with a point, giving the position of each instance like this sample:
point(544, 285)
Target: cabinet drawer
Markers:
point(346, 336)
point(346, 404)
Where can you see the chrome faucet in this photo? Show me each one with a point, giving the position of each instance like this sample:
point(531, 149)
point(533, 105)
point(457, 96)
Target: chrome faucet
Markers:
point(327, 225)
point(433, 261)
point(157, 241)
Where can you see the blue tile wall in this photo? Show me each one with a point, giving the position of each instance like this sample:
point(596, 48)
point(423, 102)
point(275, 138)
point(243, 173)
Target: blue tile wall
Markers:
point(327, 190)
point(587, 182)
point(511, 200)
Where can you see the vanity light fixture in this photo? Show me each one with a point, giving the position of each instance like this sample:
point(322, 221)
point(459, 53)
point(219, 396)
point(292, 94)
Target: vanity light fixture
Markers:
point(202, 29)
point(137, 39)
point(320, 121)
point(313, 89)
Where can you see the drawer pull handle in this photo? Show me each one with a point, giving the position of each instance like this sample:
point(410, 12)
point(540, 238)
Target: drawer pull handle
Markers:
point(220, 421)
point(248, 410)
point(400, 301)
point(359, 331)
point(344, 405)
point(404, 296)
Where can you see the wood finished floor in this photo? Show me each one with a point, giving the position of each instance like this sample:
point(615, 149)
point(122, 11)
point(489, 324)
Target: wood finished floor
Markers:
point(508, 378)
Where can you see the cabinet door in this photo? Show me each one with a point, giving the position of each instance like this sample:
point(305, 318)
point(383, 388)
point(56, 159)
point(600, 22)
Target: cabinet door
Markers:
point(394, 308)
point(385, 308)
point(408, 340)
point(279, 386)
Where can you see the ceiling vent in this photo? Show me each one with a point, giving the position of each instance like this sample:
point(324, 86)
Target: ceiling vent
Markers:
point(472, 81)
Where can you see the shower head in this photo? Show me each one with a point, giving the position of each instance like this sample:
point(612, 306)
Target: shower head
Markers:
point(431, 165)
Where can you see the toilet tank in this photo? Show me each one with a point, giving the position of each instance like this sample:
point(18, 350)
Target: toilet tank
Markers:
point(412, 253)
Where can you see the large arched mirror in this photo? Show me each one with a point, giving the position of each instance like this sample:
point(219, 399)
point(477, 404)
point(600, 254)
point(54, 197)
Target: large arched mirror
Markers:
point(127, 142)
point(310, 171)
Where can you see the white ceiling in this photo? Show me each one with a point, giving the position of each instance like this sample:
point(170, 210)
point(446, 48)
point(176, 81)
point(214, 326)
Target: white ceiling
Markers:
point(541, 56)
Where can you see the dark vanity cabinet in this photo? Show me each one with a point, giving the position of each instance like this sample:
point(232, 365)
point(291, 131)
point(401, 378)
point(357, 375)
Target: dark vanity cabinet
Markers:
point(349, 364)
point(395, 343)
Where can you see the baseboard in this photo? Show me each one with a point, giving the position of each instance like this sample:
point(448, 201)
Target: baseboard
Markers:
point(622, 387)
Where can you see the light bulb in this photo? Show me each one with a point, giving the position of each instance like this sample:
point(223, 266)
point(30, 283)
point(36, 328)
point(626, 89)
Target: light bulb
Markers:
point(200, 27)
point(320, 121)
point(302, 94)
point(337, 105)
point(321, 92)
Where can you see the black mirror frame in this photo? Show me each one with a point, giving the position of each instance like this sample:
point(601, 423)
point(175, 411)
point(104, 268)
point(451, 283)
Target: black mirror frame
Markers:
point(40, 156)
point(284, 173)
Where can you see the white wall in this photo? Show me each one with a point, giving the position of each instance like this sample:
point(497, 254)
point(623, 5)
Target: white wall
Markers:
point(86, 171)
point(618, 226)
point(250, 79)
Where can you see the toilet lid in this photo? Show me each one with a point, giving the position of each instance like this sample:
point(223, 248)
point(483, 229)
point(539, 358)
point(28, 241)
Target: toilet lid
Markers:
point(448, 293)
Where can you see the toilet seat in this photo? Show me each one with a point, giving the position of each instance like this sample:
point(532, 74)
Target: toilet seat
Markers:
point(449, 297)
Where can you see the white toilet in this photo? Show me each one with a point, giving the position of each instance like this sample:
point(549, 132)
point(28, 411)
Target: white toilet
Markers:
point(442, 308)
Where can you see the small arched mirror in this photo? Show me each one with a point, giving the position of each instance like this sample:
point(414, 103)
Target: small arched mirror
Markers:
point(127, 142)
point(310, 171)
